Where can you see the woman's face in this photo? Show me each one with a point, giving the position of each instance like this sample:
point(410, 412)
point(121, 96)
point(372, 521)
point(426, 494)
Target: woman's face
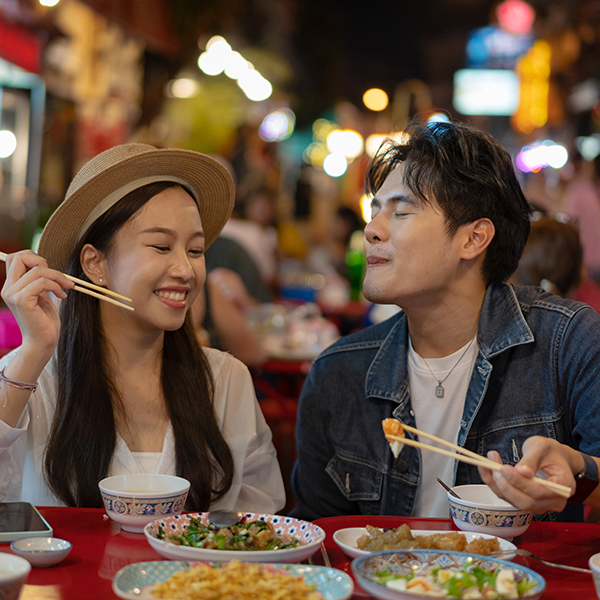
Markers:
point(158, 261)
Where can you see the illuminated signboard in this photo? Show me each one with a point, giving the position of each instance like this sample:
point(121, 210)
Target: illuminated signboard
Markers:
point(486, 92)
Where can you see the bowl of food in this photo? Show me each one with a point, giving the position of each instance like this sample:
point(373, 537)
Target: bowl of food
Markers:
point(359, 541)
point(233, 579)
point(419, 574)
point(13, 573)
point(595, 567)
point(42, 551)
point(257, 538)
point(135, 500)
point(479, 510)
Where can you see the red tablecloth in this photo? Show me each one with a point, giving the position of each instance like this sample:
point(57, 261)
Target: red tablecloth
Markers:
point(566, 543)
point(100, 549)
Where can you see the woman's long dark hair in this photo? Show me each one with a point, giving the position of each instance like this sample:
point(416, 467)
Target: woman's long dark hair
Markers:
point(83, 434)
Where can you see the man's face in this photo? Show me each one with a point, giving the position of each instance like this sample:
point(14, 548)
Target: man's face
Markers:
point(411, 260)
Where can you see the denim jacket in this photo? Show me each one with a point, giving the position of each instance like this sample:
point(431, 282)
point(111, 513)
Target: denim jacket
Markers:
point(550, 387)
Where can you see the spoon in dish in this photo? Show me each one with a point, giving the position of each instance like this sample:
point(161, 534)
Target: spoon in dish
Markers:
point(447, 488)
point(224, 518)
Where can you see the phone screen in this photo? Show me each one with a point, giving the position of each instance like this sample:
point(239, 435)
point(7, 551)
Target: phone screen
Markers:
point(21, 516)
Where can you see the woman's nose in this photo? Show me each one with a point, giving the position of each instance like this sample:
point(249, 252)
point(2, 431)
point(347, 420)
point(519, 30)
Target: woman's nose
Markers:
point(181, 269)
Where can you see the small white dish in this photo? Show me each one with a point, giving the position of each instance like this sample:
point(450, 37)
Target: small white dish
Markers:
point(346, 540)
point(42, 551)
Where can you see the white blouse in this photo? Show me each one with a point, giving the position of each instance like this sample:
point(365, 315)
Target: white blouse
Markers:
point(257, 483)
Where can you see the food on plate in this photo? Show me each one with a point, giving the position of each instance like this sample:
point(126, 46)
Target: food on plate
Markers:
point(403, 538)
point(246, 535)
point(234, 581)
point(393, 429)
point(465, 582)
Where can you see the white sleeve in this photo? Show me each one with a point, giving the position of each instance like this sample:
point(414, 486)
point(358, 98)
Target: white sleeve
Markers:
point(12, 448)
point(257, 484)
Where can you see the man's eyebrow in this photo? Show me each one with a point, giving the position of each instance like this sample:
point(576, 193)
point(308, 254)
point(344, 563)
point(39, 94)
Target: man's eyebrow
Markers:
point(403, 198)
point(169, 231)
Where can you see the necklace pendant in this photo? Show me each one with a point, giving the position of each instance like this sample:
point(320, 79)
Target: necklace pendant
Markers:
point(439, 390)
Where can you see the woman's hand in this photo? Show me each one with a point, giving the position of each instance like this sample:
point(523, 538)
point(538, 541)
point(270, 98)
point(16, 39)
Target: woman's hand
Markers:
point(28, 283)
point(515, 484)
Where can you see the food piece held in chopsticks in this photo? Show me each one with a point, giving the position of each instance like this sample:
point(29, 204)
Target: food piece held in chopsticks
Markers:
point(392, 430)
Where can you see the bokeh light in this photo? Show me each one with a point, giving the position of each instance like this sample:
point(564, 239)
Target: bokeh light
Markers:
point(375, 99)
point(365, 207)
point(539, 155)
point(515, 16)
point(49, 3)
point(8, 143)
point(345, 141)
point(277, 125)
point(183, 87)
point(235, 65)
point(255, 86)
point(335, 164)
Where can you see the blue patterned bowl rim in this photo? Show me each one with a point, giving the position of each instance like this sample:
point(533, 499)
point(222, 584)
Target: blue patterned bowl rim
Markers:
point(359, 569)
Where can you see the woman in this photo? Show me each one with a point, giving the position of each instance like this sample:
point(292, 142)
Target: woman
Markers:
point(120, 391)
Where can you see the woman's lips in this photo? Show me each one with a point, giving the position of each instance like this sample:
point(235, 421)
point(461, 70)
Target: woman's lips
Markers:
point(172, 298)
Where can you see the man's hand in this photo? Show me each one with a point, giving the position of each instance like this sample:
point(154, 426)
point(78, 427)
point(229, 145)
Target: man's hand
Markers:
point(542, 457)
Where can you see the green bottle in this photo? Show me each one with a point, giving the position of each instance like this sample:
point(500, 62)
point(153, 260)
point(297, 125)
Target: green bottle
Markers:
point(356, 261)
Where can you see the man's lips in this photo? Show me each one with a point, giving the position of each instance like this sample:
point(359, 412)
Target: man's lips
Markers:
point(373, 261)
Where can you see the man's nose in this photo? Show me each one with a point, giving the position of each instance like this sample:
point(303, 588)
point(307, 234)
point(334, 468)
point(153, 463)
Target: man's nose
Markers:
point(376, 229)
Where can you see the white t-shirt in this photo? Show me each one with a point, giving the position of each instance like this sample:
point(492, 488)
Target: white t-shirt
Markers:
point(257, 483)
point(440, 417)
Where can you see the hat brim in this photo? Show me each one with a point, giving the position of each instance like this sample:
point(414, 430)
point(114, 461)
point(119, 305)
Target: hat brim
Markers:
point(209, 179)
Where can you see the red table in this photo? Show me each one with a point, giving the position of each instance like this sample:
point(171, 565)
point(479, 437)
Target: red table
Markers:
point(100, 549)
point(566, 543)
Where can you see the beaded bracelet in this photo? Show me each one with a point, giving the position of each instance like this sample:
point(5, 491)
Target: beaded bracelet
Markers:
point(20, 385)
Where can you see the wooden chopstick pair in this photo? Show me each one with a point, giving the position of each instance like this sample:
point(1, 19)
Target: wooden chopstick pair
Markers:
point(467, 456)
point(100, 293)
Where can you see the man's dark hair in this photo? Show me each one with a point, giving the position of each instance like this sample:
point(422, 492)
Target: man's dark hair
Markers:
point(471, 176)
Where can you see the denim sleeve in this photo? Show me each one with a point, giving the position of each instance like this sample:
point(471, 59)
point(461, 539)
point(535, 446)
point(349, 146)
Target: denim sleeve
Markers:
point(578, 369)
point(316, 494)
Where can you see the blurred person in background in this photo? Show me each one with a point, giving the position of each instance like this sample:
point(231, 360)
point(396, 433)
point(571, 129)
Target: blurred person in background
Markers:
point(252, 226)
point(552, 259)
point(581, 201)
point(219, 321)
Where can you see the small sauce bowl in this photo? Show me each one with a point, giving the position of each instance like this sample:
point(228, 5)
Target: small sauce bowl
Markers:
point(42, 551)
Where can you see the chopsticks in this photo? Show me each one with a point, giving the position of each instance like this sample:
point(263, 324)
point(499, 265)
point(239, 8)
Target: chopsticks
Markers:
point(467, 456)
point(100, 293)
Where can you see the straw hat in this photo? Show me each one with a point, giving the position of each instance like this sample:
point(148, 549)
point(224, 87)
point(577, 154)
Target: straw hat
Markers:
point(108, 177)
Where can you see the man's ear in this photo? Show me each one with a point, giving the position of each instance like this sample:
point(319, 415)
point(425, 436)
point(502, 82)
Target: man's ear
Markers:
point(93, 264)
point(479, 234)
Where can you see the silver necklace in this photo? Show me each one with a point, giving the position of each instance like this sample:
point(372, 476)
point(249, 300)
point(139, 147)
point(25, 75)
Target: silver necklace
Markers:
point(439, 390)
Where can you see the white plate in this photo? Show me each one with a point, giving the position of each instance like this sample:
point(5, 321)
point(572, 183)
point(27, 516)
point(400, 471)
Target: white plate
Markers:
point(311, 537)
point(346, 540)
point(132, 582)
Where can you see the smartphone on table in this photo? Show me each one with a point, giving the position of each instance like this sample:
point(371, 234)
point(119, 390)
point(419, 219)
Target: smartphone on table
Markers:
point(21, 519)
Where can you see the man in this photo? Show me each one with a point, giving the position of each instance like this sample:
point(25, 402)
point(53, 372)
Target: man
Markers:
point(496, 369)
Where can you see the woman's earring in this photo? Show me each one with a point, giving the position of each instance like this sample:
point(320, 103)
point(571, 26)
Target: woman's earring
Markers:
point(100, 280)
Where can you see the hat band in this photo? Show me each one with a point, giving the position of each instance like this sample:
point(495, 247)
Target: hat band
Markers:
point(120, 193)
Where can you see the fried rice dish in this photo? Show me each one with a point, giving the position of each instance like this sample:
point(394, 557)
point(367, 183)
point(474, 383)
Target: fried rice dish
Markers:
point(234, 581)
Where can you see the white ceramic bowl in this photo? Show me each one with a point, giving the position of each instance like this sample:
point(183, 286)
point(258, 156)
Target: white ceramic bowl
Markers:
point(13, 573)
point(42, 551)
point(479, 510)
point(135, 500)
point(595, 567)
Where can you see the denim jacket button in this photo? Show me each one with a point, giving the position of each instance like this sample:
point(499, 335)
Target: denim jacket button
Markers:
point(402, 466)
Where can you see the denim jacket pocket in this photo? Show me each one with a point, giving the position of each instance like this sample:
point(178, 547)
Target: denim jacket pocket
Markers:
point(357, 479)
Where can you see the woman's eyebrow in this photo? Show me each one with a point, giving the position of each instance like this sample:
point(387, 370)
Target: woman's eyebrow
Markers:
point(170, 232)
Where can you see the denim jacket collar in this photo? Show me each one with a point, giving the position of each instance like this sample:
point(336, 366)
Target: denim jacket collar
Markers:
point(501, 326)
